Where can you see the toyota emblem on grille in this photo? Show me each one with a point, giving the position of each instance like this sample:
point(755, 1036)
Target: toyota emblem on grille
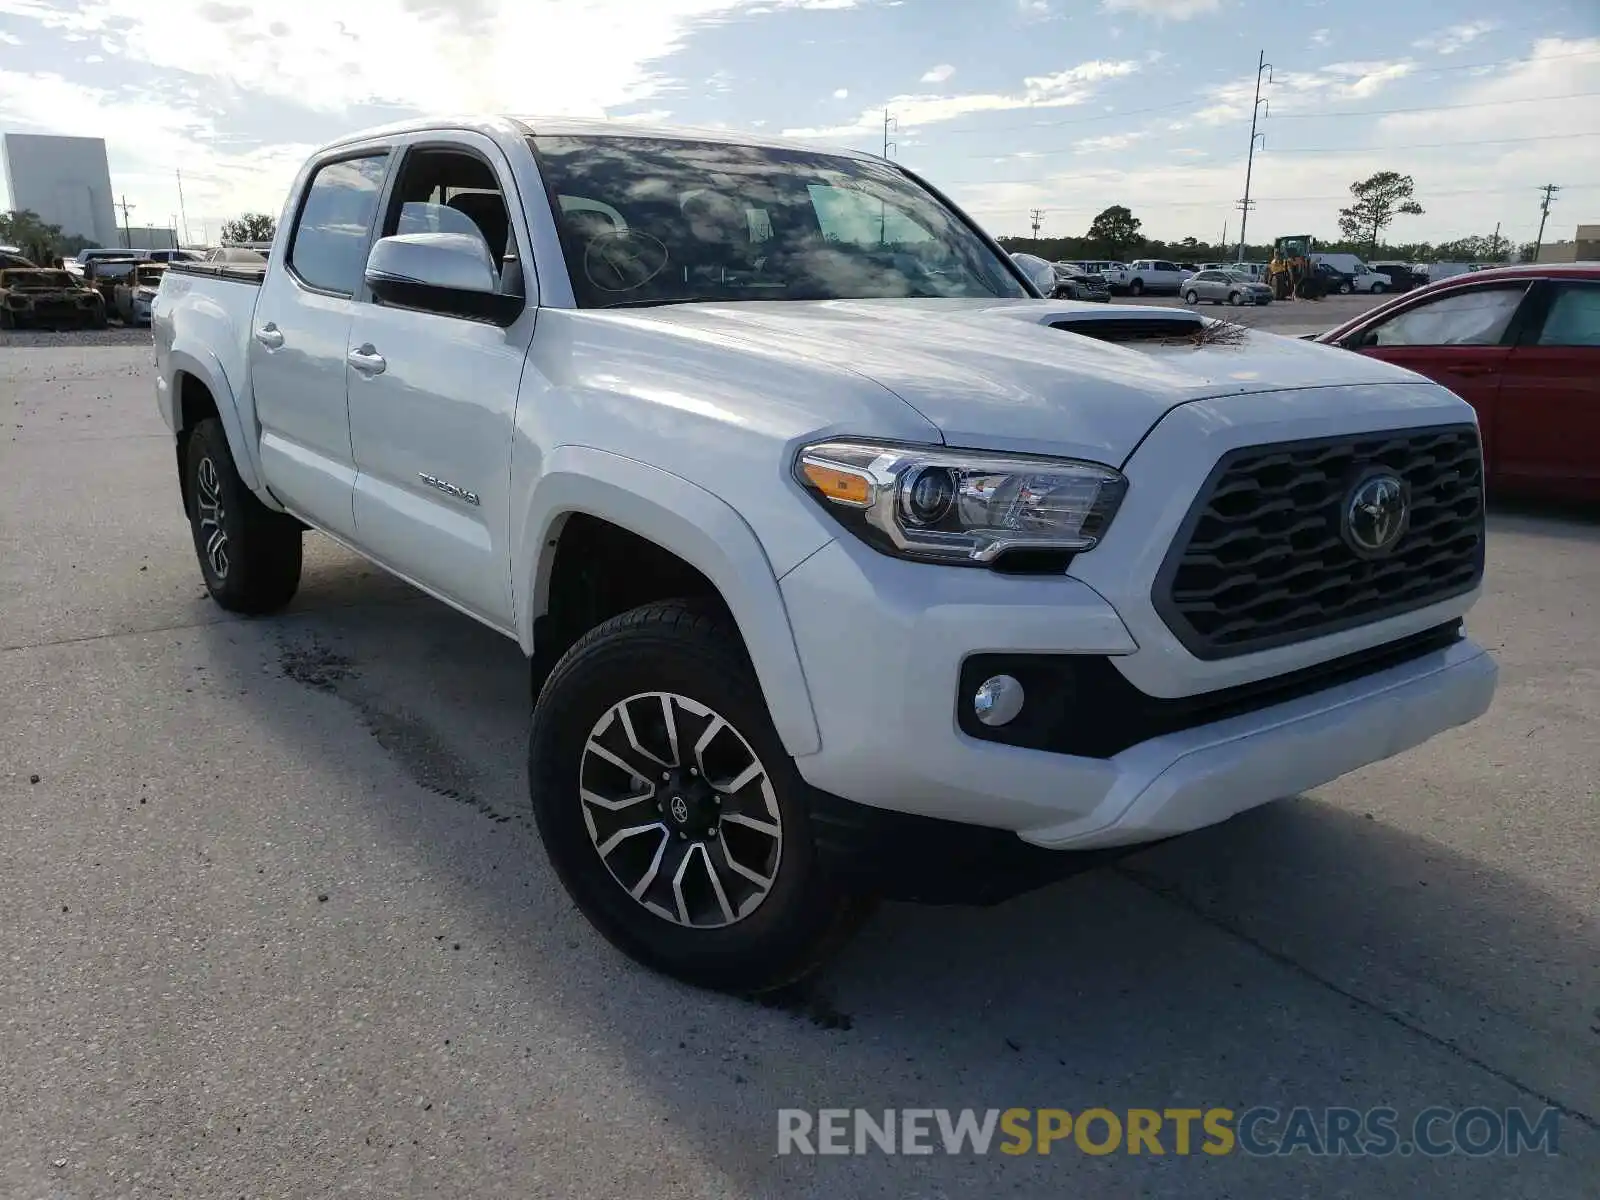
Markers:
point(1376, 512)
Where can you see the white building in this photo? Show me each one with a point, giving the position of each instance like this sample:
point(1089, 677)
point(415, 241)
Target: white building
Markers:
point(66, 180)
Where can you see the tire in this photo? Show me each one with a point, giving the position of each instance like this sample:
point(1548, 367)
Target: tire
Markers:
point(255, 568)
point(1378, 289)
point(1235, 299)
point(691, 652)
point(7, 320)
point(1136, 287)
point(1191, 297)
point(1344, 287)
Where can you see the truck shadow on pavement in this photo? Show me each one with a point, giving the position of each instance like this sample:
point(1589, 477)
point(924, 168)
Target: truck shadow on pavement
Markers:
point(1307, 953)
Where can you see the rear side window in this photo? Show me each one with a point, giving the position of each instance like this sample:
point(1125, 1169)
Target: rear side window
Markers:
point(1574, 318)
point(330, 239)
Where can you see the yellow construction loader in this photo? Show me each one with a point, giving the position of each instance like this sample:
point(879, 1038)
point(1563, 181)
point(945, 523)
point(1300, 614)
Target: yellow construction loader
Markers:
point(1292, 272)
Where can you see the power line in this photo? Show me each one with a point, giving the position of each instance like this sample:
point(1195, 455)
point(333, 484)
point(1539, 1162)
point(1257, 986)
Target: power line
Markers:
point(1548, 137)
point(1342, 196)
point(1389, 112)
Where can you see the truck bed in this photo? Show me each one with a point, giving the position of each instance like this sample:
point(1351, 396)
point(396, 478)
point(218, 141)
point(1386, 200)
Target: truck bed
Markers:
point(238, 272)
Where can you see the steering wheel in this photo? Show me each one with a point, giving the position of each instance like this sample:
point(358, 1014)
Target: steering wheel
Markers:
point(623, 261)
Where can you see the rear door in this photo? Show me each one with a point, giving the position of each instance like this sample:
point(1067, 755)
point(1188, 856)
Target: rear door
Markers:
point(1461, 339)
point(299, 336)
point(1549, 408)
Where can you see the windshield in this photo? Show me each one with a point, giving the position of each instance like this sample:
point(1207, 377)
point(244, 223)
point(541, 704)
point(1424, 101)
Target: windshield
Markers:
point(660, 221)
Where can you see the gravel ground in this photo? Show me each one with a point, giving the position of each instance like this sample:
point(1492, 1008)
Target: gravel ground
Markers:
point(275, 922)
point(77, 338)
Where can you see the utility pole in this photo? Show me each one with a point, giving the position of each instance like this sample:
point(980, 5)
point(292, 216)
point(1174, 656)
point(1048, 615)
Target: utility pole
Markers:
point(1037, 217)
point(1549, 191)
point(889, 123)
point(1494, 244)
point(183, 216)
point(1263, 67)
point(127, 235)
point(1222, 246)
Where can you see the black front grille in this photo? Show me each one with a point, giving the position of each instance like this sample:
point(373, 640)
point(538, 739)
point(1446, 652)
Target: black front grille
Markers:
point(1261, 560)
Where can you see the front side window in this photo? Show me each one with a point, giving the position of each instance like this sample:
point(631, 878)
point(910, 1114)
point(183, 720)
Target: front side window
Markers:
point(659, 220)
point(330, 238)
point(1478, 317)
point(1574, 318)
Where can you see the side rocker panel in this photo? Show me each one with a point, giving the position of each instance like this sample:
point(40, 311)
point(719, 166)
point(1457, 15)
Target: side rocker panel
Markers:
point(698, 527)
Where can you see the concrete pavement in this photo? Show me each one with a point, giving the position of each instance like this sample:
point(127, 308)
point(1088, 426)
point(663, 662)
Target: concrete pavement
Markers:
point(276, 924)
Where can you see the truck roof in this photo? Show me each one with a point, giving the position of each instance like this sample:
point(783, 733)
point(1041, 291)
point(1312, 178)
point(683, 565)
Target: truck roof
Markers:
point(557, 126)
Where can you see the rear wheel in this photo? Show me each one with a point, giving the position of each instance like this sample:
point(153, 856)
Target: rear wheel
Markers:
point(672, 812)
point(249, 554)
point(1344, 287)
point(1137, 287)
point(1378, 289)
point(1235, 298)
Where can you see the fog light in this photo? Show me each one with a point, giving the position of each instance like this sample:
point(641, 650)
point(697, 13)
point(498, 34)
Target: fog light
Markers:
point(998, 700)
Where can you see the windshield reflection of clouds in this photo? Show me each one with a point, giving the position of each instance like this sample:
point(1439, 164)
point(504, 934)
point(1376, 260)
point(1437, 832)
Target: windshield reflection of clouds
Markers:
point(655, 221)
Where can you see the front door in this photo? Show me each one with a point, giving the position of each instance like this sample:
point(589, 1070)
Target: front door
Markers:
point(1549, 424)
point(298, 341)
point(433, 396)
point(1460, 340)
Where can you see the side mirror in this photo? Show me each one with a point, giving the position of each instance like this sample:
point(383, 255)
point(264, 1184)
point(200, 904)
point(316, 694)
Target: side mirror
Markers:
point(1040, 273)
point(447, 273)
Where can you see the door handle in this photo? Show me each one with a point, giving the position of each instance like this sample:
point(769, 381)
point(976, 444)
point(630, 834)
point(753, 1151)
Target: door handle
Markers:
point(270, 336)
point(1472, 369)
point(366, 360)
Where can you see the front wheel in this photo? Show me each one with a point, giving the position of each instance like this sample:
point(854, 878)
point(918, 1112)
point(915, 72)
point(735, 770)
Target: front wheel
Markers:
point(1235, 299)
point(1344, 288)
point(1378, 289)
point(670, 809)
point(249, 554)
point(1191, 297)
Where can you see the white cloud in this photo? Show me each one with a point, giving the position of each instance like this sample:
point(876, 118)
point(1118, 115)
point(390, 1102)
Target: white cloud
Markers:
point(1111, 141)
point(1033, 10)
point(841, 93)
point(938, 74)
point(1455, 37)
point(1320, 37)
point(1061, 89)
point(9, 39)
point(1167, 10)
point(1292, 91)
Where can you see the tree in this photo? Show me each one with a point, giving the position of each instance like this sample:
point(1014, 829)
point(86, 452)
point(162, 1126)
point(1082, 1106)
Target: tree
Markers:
point(1115, 229)
point(28, 232)
point(251, 227)
point(1478, 248)
point(1378, 200)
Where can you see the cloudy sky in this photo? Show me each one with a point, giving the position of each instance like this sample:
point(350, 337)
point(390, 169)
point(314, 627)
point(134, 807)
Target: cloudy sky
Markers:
point(1062, 105)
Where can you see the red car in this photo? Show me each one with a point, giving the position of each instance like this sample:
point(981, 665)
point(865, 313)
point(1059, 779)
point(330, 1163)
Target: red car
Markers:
point(1522, 346)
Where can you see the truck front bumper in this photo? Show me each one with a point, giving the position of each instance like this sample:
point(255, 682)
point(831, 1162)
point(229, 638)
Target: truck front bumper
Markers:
point(883, 644)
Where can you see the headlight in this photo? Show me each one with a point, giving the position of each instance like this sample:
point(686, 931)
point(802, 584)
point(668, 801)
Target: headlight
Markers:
point(960, 506)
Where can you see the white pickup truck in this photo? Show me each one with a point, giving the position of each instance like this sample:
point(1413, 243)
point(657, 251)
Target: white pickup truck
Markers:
point(846, 565)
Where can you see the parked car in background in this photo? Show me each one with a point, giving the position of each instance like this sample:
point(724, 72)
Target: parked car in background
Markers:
point(132, 295)
point(1225, 287)
point(1360, 276)
point(78, 264)
point(1114, 273)
point(1402, 276)
point(35, 297)
point(170, 255)
point(1521, 345)
point(1155, 275)
point(1075, 283)
point(104, 272)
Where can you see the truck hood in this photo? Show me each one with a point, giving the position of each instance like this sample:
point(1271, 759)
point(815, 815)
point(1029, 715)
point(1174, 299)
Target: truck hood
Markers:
point(1003, 374)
